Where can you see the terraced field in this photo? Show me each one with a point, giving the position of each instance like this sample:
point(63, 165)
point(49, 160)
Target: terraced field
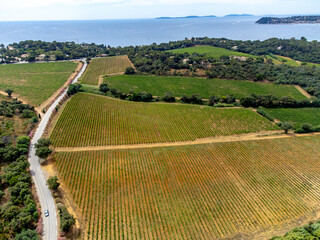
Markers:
point(179, 86)
point(103, 66)
point(215, 52)
point(35, 82)
point(244, 189)
point(297, 116)
point(93, 120)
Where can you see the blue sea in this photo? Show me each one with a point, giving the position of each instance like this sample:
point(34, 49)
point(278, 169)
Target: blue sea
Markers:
point(148, 31)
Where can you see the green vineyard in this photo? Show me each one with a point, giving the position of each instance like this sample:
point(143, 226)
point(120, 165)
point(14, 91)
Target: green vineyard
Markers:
point(195, 192)
point(103, 66)
point(35, 82)
point(92, 120)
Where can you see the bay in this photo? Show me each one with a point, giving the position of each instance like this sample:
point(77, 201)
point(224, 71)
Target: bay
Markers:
point(148, 31)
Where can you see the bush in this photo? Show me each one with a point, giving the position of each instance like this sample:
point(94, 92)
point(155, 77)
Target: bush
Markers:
point(130, 71)
point(66, 219)
point(194, 99)
point(168, 97)
point(263, 113)
point(103, 88)
point(53, 183)
point(74, 88)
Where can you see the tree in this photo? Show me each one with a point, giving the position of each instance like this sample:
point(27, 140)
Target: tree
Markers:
point(43, 152)
point(74, 88)
point(66, 219)
point(53, 183)
point(27, 235)
point(130, 71)
point(286, 126)
point(103, 88)
point(9, 92)
point(42, 148)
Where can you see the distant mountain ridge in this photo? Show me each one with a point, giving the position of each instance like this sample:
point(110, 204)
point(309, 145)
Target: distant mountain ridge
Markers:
point(209, 16)
point(289, 20)
point(239, 15)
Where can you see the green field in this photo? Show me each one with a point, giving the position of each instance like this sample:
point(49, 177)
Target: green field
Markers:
point(35, 82)
point(297, 116)
point(93, 120)
point(215, 52)
point(179, 86)
point(99, 67)
point(236, 190)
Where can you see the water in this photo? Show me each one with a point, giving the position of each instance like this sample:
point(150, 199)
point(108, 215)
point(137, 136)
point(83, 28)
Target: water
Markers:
point(148, 31)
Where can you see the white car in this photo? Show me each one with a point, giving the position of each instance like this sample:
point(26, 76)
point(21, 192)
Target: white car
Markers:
point(46, 213)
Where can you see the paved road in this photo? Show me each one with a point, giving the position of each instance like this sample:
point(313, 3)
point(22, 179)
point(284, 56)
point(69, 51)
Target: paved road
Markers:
point(50, 228)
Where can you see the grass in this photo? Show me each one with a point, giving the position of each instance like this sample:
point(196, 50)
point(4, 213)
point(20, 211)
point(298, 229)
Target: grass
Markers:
point(35, 82)
point(179, 86)
point(250, 189)
point(92, 120)
point(215, 52)
point(103, 66)
point(296, 116)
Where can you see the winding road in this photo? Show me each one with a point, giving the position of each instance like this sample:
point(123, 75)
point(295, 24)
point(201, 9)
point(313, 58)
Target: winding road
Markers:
point(50, 225)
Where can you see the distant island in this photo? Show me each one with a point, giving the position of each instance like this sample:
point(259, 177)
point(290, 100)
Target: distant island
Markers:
point(239, 15)
point(289, 20)
point(209, 16)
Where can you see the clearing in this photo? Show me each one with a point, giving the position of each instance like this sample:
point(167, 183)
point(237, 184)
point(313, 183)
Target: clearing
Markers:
point(239, 190)
point(204, 87)
point(93, 120)
point(99, 67)
point(35, 82)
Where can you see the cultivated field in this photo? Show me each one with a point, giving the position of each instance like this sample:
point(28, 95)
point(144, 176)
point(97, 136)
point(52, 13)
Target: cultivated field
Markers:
point(297, 116)
point(35, 82)
point(215, 52)
point(103, 66)
point(93, 120)
point(178, 86)
point(250, 189)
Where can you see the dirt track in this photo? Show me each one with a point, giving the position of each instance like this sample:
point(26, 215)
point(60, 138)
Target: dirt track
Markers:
point(233, 138)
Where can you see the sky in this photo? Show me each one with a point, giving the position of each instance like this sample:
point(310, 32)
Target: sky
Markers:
point(21, 10)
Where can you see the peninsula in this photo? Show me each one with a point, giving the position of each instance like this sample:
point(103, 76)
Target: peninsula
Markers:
point(289, 20)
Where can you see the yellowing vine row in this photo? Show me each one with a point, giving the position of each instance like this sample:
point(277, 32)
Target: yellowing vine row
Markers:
point(91, 120)
point(196, 192)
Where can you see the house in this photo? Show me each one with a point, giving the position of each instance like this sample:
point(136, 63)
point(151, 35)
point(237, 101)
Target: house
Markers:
point(10, 48)
point(26, 55)
point(41, 57)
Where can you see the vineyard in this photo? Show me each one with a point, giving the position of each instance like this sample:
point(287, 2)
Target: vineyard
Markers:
point(35, 82)
point(179, 86)
point(297, 116)
point(249, 189)
point(103, 66)
point(93, 120)
point(215, 52)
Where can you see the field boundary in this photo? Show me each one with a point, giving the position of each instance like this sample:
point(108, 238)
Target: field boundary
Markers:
point(302, 91)
point(277, 134)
